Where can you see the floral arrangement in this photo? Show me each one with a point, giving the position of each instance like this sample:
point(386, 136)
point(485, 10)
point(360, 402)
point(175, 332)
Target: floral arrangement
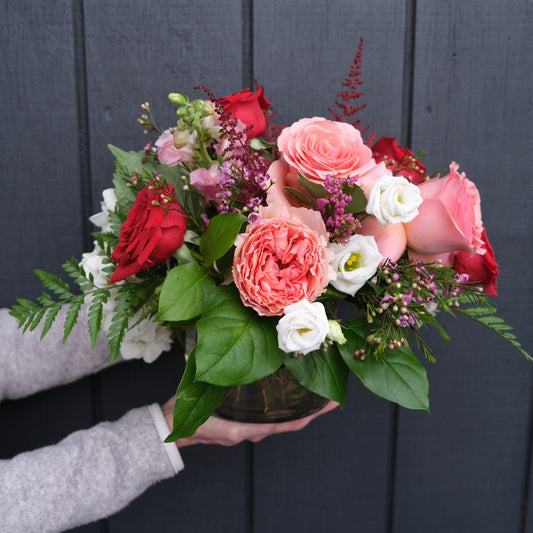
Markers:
point(255, 233)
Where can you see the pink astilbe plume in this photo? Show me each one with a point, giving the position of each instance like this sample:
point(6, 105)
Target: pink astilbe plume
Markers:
point(344, 98)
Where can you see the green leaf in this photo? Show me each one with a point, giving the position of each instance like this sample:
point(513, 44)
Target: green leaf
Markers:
point(126, 163)
point(398, 376)
point(486, 317)
point(314, 189)
point(321, 372)
point(54, 284)
point(358, 202)
point(300, 197)
point(184, 293)
point(94, 316)
point(220, 236)
point(235, 345)
point(72, 316)
point(50, 318)
point(195, 402)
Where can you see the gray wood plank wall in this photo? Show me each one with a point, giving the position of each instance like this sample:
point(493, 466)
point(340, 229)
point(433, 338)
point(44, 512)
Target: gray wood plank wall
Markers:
point(453, 78)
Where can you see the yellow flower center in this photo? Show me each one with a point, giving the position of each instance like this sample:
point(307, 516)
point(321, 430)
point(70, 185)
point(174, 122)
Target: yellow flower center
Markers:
point(352, 263)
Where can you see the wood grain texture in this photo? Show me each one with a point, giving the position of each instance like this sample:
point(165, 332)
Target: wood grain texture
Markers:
point(41, 195)
point(335, 474)
point(463, 467)
point(138, 51)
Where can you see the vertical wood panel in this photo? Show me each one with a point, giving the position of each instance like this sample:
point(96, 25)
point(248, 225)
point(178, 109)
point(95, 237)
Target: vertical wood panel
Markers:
point(334, 474)
point(462, 468)
point(138, 51)
point(41, 195)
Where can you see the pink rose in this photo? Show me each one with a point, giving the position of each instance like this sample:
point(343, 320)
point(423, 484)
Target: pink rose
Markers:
point(174, 147)
point(390, 239)
point(206, 181)
point(449, 218)
point(319, 147)
point(278, 262)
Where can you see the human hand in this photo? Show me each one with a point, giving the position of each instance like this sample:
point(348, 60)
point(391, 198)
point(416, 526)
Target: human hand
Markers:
point(216, 430)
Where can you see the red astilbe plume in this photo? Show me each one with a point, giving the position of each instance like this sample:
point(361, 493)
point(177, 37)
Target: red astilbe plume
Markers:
point(344, 98)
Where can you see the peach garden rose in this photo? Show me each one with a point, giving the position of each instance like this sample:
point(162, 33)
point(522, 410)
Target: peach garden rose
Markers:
point(278, 262)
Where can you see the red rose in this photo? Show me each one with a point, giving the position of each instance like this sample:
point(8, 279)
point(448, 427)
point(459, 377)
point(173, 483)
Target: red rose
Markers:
point(398, 160)
point(248, 108)
point(153, 231)
point(480, 268)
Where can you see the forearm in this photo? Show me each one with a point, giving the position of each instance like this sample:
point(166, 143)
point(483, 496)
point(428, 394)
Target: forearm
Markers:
point(28, 365)
point(89, 475)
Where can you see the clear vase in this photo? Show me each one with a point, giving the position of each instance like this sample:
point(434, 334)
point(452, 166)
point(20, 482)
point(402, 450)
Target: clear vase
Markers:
point(275, 398)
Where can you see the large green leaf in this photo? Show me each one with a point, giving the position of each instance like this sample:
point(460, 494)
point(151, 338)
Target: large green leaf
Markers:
point(322, 372)
point(220, 236)
point(398, 376)
point(235, 345)
point(195, 402)
point(184, 293)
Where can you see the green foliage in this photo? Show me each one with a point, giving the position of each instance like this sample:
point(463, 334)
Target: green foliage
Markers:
point(321, 371)
point(316, 190)
point(397, 376)
point(184, 293)
point(195, 401)
point(130, 296)
point(486, 316)
point(126, 163)
point(235, 345)
point(358, 202)
point(220, 236)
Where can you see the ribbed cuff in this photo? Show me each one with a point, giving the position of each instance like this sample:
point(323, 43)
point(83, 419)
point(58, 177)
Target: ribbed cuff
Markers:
point(162, 429)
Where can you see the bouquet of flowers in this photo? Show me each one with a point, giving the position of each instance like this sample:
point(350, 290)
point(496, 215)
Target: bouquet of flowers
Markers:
point(255, 233)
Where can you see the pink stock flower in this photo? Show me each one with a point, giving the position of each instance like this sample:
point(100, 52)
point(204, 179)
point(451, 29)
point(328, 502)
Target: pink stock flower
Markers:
point(174, 148)
point(280, 261)
point(206, 180)
point(449, 218)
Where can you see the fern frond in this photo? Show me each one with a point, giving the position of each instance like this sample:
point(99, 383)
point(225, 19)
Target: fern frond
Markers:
point(128, 299)
point(495, 324)
point(99, 298)
point(54, 284)
point(72, 316)
point(53, 310)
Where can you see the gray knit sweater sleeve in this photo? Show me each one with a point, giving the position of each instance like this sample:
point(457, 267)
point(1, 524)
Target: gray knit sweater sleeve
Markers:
point(90, 474)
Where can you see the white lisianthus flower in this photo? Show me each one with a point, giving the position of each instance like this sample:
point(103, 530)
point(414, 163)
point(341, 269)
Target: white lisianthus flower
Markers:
point(107, 204)
point(393, 200)
point(93, 263)
point(354, 263)
point(303, 328)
